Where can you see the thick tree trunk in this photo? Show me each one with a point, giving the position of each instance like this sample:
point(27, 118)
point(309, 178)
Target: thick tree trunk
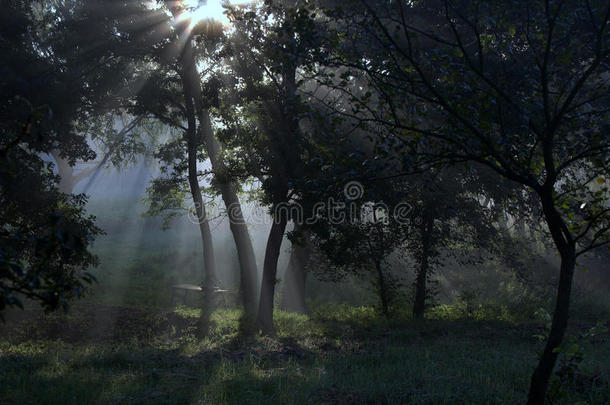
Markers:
point(566, 247)
point(245, 252)
point(419, 304)
point(295, 278)
point(272, 253)
point(65, 172)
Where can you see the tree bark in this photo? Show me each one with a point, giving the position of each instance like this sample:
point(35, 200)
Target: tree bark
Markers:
point(419, 304)
point(567, 250)
point(65, 172)
point(210, 281)
point(241, 236)
point(382, 289)
point(209, 262)
point(381, 284)
point(295, 278)
point(237, 223)
point(272, 253)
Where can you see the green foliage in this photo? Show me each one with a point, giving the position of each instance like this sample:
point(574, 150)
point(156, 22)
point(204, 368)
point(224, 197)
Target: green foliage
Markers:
point(167, 196)
point(570, 376)
point(45, 236)
point(307, 96)
point(58, 78)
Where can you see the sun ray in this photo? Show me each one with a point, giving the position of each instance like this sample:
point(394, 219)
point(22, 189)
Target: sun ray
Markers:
point(200, 10)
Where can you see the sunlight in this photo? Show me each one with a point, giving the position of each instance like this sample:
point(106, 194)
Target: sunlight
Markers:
point(200, 10)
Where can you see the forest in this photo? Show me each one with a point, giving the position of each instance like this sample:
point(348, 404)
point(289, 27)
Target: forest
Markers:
point(305, 202)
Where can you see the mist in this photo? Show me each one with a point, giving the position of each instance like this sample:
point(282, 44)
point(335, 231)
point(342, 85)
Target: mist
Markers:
point(296, 202)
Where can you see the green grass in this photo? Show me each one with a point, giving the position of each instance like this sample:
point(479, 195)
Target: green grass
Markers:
point(338, 355)
point(126, 344)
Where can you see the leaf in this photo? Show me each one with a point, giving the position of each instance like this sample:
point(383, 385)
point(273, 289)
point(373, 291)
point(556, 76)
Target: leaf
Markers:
point(573, 348)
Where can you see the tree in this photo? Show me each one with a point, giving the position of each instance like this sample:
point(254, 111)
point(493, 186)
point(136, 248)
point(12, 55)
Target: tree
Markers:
point(448, 219)
point(119, 147)
point(197, 105)
point(45, 235)
point(295, 275)
point(352, 229)
point(179, 156)
point(521, 88)
point(263, 116)
point(157, 94)
point(361, 245)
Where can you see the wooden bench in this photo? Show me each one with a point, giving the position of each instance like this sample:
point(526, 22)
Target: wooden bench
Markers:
point(185, 288)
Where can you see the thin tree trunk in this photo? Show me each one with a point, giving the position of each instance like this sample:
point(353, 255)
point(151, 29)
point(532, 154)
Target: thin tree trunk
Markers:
point(241, 236)
point(566, 247)
point(419, 304)
point(210, 280)
point(237, 223)
point(381, 285)
point(209, 262)
point(295, 278)
point(272, 253)
point(382, 289)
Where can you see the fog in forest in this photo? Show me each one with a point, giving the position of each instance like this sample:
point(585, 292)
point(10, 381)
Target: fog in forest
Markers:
point(304, 202)
point(118, 198)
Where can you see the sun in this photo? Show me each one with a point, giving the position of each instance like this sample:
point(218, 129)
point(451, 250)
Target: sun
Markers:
point(200, 10)
point(197, 11)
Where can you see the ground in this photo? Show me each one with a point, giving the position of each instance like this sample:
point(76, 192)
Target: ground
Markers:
point(100, 354)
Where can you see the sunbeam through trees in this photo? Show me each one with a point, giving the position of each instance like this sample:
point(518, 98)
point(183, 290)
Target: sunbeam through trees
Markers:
point(305, 201)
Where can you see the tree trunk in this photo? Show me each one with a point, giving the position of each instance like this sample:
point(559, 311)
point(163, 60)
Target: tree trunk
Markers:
point(382, 289)
point(241, 236)
point(567, 250)
point(210, 279)
point(237, 223)
point(546, 364)
point(419, 304)
point(272, 253)
point(295, 278)
point(65, 172)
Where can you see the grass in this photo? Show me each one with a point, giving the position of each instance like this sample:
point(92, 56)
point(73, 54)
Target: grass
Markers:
point(338, 355)
point(126, 344)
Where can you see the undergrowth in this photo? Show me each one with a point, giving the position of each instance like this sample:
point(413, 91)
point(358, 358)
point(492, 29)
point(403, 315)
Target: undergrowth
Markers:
point(336, 355)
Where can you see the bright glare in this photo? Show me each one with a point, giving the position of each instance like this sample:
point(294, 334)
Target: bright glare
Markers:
point(202, 10)
point(198, 10)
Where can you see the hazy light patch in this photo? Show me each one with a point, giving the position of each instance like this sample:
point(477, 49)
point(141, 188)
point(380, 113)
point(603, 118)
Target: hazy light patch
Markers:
point(213, 10)
point(196, 11)
point(200, 10)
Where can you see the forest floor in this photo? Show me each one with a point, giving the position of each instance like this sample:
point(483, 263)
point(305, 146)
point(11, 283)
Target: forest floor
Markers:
point(100, 354)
